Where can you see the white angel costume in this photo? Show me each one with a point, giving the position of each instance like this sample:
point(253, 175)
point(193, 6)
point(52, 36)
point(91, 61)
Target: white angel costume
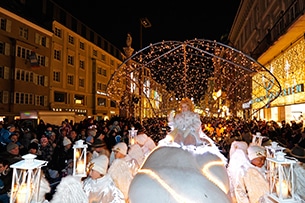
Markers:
point(72, 186)
point(147, 144)
point(248, 182)
point(121, 174)
point(185, 124)
point(102, 190)
point(135, 152)
point(299, 172)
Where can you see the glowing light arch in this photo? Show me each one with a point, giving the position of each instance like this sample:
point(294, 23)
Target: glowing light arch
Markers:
point(185, 68)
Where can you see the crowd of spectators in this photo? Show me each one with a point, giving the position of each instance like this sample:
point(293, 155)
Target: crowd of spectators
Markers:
point(54, 143)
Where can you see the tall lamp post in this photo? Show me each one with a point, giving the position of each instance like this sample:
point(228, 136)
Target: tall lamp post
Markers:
point(144, 22)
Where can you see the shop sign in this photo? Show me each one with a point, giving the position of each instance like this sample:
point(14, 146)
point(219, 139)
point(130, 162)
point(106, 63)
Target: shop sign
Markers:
point(285, 92)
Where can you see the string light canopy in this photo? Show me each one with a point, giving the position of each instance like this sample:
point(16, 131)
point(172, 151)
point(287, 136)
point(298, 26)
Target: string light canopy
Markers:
point(187, 69)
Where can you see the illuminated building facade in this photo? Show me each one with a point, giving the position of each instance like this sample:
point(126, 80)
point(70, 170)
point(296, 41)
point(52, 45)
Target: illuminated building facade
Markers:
point(272, 32)
point(56, 65)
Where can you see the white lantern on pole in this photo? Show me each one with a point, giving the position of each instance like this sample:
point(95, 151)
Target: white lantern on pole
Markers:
point(132, 135)
point(26, 179)
point(273, 148)
point(80, 159)
point(257, 139)
point(281, 178)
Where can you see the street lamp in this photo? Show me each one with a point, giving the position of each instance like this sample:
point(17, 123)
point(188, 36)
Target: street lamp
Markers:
point(144, 22)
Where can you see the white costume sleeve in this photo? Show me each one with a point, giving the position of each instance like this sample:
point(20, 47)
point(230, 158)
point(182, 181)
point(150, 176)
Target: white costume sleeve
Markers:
point(299, 172)
point(121, 175)
point(240, 187)
point(103, 190)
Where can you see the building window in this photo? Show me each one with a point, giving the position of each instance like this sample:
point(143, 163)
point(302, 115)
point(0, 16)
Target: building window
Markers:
point(112, 62)
point(101, 101)
point(70, 60)
point(99, 70)
point(56, 76)
point(40, 100)
point(2, 24)
point(71, 39)
point(1, 72)
point(59, 97)
point(82, 45)
point(94, 52)
point(57, 32)
point(40, 80)
point(70, 79)
point(81, 82)
point(2, 48)
point(79, 99)
point(99, 86)
point(23, 32)
point(104, 72)
point(112, 104)
point(27, 76)
point(82, 64)
point(23, 98)
point(41, 40)
point(103, 57)
point(103, 87)
point(41, 60)
point(57, 54)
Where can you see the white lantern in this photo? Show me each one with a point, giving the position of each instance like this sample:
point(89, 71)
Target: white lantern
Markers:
point(281, 178)
point(257, 139)
point(80, 159)
point(26, 179)
point(273, 148)
point(132, 135)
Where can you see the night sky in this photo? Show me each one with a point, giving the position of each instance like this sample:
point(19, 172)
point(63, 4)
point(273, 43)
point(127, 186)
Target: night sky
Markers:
point(170, 20)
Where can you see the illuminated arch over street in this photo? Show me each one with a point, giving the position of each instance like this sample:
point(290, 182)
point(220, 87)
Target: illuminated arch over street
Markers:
point(197, 69)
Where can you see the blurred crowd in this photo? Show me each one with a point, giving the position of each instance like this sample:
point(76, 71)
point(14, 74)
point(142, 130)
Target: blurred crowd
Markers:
point(54, 143)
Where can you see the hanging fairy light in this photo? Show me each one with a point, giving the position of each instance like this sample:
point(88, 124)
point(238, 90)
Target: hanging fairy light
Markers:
point(80, 159)
point(26, 179)
point(281, 178)
point(190, 64)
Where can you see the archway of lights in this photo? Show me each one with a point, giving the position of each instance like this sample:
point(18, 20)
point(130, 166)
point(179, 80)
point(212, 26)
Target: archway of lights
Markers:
point(196, 69)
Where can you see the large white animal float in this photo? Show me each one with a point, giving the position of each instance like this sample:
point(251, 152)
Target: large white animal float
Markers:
point(177, 175)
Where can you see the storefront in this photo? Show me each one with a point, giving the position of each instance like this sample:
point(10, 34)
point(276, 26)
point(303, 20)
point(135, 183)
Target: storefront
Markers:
point(288, 68)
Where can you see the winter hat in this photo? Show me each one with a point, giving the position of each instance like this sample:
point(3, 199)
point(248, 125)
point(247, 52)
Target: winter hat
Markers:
point(66, 141)
point(35, 140)
point(297, 152)
point(141, 139)
point(120, 147)
point(100, 164)
point(98, 143)
point(53, 173)
point(33, 145)
point(255, 151)
point(11, 146)
point(238, 145)
point(91, 132)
